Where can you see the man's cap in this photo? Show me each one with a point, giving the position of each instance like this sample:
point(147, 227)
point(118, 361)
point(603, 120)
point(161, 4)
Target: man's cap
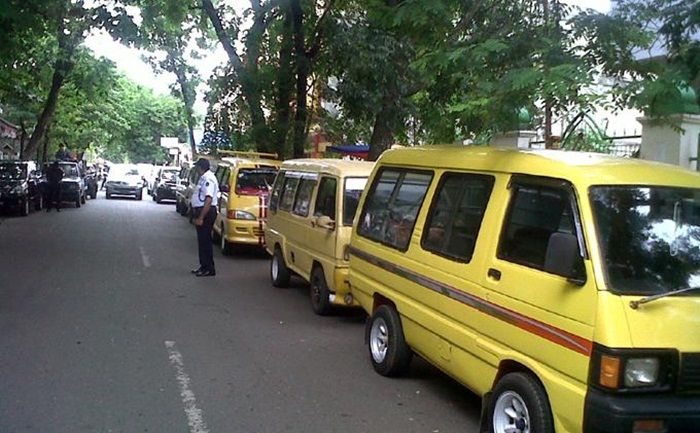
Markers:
point(202, 163)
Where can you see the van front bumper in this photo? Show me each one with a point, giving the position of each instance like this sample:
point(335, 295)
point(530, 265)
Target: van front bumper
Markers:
point(609, 413)
point(245, 232)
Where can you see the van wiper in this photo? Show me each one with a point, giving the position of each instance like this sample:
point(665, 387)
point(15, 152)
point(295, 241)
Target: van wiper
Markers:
point(635, 304)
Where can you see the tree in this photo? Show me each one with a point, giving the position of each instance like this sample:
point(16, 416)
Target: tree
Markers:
point(172, 28)
point(64, 24)
point(669, 57)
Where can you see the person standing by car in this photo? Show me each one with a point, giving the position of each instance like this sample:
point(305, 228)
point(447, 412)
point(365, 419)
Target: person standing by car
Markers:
point(62, 154)
point(54, 175)
point(204, 202)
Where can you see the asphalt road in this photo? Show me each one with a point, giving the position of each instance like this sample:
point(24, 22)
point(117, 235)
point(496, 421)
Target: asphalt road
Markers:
point(103, 329)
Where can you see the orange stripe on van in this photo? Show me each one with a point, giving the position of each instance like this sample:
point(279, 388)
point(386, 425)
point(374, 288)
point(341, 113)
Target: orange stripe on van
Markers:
point(551, 333)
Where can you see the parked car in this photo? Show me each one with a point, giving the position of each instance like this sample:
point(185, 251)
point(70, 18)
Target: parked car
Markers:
point(187, 181)
point(19, 187)
point(245, 180)
point(73, 187)
point(561, 287)
point(309, 223)
point(165, 185)
point(124, 180)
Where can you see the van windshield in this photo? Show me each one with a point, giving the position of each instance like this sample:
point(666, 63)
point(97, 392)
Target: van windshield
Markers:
point(351, 197)
point(649, 237)
point(255, 181)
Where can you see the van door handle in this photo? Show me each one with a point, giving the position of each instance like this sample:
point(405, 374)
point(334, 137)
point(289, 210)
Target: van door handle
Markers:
point(494, 274)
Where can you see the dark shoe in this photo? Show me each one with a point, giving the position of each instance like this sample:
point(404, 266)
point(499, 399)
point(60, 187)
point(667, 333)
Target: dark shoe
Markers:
point(205, 273)
point(196, 271)
point(58, 209)
point(48, 209)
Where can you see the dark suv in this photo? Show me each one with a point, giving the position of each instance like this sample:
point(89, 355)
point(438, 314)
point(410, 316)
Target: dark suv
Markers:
point(19, 187)
point(73, 188)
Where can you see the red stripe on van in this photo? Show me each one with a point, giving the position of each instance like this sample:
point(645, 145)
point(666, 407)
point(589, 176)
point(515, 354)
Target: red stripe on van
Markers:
point(551, 333)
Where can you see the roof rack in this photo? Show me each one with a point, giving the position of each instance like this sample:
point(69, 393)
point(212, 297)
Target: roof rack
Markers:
point(236, 153)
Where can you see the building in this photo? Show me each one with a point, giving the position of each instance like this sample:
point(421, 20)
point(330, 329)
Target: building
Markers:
point(9, 140)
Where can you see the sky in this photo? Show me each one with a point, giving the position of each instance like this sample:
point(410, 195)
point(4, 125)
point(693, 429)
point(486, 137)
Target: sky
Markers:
point(129, 60)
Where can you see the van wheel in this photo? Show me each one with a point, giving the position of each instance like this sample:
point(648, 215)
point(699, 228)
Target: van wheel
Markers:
point(279, 273)
point(388, 350)
point(519, 404)
point(226, 247)
point(320, 294)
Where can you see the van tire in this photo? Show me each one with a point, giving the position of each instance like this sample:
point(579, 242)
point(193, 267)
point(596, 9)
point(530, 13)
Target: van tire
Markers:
point(319, 293)
point(515, 392)
point(388, 351)
point(279, 273)
point(226, 247)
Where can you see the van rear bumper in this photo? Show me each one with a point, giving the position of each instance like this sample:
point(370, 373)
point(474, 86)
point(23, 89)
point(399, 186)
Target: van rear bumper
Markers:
point(608, 413)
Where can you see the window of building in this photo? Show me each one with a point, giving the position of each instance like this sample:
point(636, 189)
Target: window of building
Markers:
point(455, 216)
point(391, 208)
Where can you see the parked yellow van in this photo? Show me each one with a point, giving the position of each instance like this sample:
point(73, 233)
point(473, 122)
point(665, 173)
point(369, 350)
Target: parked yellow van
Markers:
point(312, 207)
point(245, 180)
point(562, 287)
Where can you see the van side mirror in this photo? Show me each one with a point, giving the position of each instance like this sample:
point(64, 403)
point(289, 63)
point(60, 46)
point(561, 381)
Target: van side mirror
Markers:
point(225, 188)
point(325, 222)
point(563, 258)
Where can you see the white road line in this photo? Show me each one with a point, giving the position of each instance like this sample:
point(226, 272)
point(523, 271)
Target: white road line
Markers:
point(144, 257)
point(194, 414)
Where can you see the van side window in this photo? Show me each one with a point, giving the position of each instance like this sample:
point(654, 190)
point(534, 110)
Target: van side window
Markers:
point(276, 192)
point(325, 199)
point(391, 208)
point(303, 200)
point(456, 214)
point(536, 212)
point(288, 192)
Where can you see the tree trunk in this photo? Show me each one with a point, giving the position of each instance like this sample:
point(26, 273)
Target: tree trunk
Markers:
point(302, 67)
point(382, 133)
point(188, 101)
point(246, 72)
point(285, 78)
point(59, 75)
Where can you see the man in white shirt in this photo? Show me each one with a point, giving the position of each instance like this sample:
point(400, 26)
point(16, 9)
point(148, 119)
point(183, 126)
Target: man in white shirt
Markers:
point(204, 202)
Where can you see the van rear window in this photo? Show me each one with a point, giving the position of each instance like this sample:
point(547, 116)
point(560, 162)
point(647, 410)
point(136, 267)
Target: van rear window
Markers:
point(390, 211)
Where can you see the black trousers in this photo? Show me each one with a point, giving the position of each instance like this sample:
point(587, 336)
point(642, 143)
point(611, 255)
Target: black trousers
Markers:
point(54, 196)
point(206, 249)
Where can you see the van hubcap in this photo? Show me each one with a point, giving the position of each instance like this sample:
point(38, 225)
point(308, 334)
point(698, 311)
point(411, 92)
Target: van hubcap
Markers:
point(510, 414)
point(275, 267)
point(379, 340)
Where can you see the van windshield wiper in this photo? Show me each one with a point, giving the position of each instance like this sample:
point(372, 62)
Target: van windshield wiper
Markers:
point(635, 304)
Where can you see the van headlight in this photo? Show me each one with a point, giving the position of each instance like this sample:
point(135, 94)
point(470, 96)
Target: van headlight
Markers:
point(633, 370)
point(641, 372)
point(235, 214)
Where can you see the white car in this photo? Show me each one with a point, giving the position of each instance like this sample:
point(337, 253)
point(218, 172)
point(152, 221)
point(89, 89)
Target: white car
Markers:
point(124, 180)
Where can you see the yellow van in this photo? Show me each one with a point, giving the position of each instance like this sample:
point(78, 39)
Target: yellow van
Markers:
point(312, 207)
point(562, 287)
point(245, 179)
